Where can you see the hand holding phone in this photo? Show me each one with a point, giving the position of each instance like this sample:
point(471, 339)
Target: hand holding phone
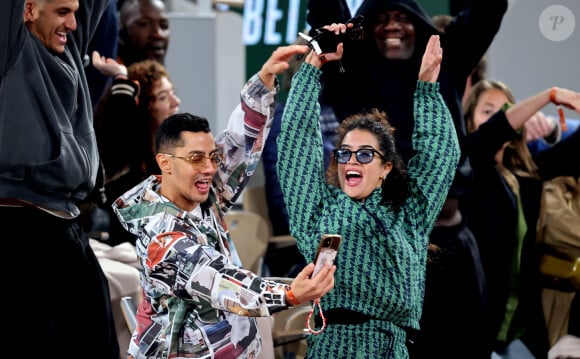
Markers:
point(327, 250)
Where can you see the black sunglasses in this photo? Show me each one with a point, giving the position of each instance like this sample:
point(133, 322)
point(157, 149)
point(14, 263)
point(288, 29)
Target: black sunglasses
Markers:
point(363, 155)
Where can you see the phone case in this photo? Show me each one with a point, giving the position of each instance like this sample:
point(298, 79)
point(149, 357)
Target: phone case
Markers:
point(327, 250)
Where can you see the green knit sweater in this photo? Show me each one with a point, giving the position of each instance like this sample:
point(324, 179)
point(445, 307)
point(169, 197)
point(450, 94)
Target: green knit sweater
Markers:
point(382, 259)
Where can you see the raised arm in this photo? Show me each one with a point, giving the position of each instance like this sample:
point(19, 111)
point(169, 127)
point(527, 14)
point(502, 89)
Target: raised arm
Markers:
point(435, 141)
point(243, 140)
point(523, 111)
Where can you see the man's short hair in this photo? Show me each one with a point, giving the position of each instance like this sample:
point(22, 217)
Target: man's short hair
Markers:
point(168, 134)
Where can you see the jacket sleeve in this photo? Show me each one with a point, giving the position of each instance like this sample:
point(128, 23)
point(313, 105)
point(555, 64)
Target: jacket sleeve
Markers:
point(300, 156)
point(121, 132)
point(88, 16)
point(482, 145)
point(243, 140)
point(214, 279)
point(437, 154)
point(468, 37)
point(12, 33)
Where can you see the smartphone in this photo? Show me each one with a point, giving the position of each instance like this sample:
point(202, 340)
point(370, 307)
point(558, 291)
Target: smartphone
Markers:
point(327, 250)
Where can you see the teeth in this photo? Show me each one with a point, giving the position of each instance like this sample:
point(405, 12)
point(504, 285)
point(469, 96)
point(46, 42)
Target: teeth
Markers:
point(393, 41)
point(352, 173)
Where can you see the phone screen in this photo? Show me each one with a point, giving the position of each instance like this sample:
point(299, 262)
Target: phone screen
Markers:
point(327, 250)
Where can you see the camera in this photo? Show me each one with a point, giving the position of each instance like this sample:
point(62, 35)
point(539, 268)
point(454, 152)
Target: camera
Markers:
point(328, 40)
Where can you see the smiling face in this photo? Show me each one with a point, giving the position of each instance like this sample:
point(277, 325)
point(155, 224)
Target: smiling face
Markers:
point(50, 21)
point(395, 35)
point(356, 179)
point(184, 184)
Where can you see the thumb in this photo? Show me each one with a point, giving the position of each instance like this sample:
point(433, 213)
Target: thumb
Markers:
point(96, 57)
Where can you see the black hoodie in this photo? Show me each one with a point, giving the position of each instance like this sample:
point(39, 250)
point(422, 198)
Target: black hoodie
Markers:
point(371, 81)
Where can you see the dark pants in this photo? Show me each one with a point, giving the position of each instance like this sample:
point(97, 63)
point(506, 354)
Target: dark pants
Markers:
point(54, 286)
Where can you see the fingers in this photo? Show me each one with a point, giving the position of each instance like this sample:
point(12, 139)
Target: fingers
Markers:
point(431, 61)
point(337, 28)
point(306, 271)
point(96, 57)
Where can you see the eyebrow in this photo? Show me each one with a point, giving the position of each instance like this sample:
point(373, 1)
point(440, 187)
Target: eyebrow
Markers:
point(360, 147)
point(197, 152)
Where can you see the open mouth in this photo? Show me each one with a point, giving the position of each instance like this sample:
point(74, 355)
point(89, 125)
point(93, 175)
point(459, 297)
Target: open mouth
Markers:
point(353, 178)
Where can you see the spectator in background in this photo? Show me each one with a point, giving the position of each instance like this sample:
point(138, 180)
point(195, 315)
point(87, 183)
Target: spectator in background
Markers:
point(48, 164)
point(143, 31)
point(141, 97)
point(504, 208)
point(541, 131)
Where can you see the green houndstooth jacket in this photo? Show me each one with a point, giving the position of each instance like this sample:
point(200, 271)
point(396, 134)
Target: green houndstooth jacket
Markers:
point(382, 259)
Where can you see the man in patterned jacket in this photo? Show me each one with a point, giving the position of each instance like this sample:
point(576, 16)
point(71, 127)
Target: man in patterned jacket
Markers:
point(198, 302)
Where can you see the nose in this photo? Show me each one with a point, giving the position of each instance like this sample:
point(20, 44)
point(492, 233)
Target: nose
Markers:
point(392, 24)
point(208, 166)
point(71, 22)
point(175, 101)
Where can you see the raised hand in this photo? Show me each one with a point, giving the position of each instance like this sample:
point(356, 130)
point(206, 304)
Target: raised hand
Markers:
point(319, 60)
point(431, 63)
point(278, 62)
point(565, 97)
point(108, 66)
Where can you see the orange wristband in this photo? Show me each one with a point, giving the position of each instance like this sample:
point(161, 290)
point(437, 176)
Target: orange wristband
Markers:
point(562, 119)
point(553, 96)
point(291, 298)
point(560, 110)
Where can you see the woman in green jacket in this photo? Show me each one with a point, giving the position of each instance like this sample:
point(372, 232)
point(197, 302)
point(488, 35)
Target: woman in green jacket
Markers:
point(383, 211)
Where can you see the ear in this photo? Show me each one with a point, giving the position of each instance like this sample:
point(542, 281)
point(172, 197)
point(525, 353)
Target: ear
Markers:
point(163, 162)
point(30, 11)
point(387, 167)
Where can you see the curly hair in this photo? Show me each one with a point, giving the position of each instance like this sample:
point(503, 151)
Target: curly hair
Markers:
point(395, 187)
point(147, 73)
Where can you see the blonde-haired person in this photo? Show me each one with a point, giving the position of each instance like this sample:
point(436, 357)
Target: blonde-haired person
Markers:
point(504, 207)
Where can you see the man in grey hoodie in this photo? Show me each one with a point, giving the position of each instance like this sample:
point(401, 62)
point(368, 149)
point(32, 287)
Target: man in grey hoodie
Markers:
point(48, 163)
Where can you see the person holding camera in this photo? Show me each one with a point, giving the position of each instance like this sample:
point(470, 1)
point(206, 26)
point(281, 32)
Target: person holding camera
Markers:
point(382, 209)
